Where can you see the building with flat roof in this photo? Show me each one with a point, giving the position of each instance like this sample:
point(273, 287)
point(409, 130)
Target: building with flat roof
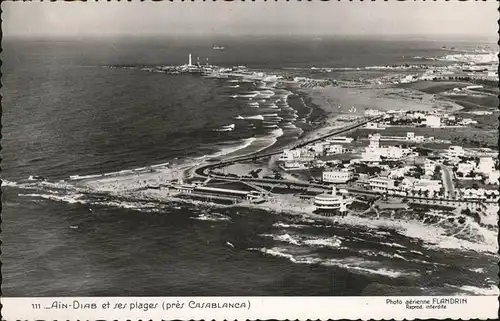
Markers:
point(337, 176)
point(486, 165)
point(340, 140)
point(335, 149)
point(493, 177)
point(331, 203)
point(455, 151)
point(380, 184)
point(433, 121)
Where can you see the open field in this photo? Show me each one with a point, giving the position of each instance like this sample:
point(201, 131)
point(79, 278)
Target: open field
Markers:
point(329, 98)
point(478, 99)
point(475, 102)
point(435, 87)
point(465, 136)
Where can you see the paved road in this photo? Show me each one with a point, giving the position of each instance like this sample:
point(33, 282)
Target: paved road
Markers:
point(447, 176)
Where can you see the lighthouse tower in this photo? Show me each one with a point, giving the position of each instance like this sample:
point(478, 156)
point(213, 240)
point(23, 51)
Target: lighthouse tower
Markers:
point(190, 64)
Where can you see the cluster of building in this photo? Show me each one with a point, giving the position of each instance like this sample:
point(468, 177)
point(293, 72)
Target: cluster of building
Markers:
point(305, 82)
point(305, 157)
point(470, 167)
point(394, 170)
point(433, 119)
point(374, 152)
point(212, 71)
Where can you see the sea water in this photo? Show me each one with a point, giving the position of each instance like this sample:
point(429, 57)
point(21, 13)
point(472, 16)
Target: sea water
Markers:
point(66, 112)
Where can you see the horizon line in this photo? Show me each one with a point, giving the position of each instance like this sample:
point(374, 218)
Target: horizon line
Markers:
point(407, 37)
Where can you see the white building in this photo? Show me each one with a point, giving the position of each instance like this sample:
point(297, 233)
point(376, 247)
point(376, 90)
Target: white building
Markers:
point(335, 149)
point(417, 115)
point(486, 165)
point(466, 168)
point(411, 137)
point(370, 155)
point(373, 152)
point(319, 148)
point(429, 167)
point(372, 125)
point(340, 140)
point(289, 155)
point(433, 121)
point(297, 155)
point(394, 152)
point(398, 172)
point(493, 177)
point(468, 121)
point(427, 184)
point(293, 165)
point(373, 112)
point(331, 202)
point(374, 141)
point(419, 139)
point(381, 184)
point(338, 176)
point(415, 184)
point(455, 151)
point(306, 156)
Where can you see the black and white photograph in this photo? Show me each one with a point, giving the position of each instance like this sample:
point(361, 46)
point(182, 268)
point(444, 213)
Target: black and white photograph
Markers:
point(250, 149)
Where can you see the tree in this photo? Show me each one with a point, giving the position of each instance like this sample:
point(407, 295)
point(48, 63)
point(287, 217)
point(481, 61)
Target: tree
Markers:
point(466, 211)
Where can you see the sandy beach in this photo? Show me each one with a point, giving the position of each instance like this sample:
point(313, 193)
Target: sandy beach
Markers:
point(330, 98)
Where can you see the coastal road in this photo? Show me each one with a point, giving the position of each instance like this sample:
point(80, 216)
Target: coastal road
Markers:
point(201, 171)
point(447, 177)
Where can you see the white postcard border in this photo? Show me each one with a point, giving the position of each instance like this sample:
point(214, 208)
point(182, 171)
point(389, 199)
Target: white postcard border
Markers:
point(244, 308)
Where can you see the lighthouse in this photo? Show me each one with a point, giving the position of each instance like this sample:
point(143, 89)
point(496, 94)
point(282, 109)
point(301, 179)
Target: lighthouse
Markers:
point(190, 64)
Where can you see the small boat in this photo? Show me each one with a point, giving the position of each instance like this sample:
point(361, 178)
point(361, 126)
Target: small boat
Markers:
point(73, 227)
point(230, 244)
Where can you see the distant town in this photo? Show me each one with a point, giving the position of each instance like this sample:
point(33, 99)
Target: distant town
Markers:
point(378, 159)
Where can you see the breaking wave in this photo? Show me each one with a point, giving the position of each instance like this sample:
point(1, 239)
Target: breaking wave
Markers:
point(214, 217)
point(351, 264)
point(300, 240)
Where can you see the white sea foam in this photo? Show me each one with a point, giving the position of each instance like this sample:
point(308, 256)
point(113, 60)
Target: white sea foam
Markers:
point(70, 198)
point(214, 217)
point(474, 290)
point(226, 128)
point(295, 259)
point(307, 240)
point(393, 245)
point(228, 150)
point(284, 225)
point(326, 242)
point(286, 238)
point(434, 236)
point(351, 264)
point(8, 183)
point(478, 270)
point(255, 117)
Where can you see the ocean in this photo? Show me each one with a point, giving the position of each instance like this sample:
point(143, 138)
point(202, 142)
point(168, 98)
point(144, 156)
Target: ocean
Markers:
point(90, 106)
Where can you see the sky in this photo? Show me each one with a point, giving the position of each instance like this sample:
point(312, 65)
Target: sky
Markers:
point(392, 18)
